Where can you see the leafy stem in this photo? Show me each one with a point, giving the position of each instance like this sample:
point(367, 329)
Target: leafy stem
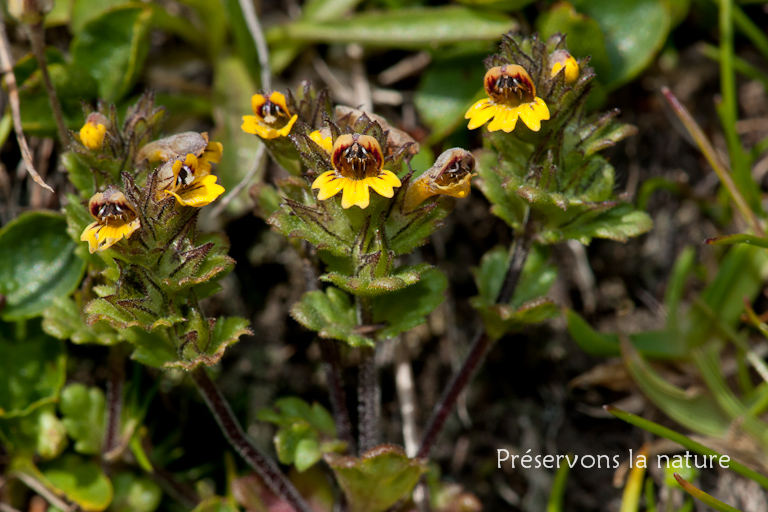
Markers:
point(368, 393)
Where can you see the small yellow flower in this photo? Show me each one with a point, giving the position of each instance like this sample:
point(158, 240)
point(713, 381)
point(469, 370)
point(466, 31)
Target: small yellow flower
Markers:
point(511, 95)
point(450, 176)
point(358, 163)
point(115, 219)
point(211, 155)
point(323, 139)
point(272, 119)
point(561, 59)
point(191, 183)
point(93, 131)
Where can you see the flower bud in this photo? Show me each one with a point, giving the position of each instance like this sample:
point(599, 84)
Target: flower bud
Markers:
point(450, 176)
point(561, 59)
point(93, 131)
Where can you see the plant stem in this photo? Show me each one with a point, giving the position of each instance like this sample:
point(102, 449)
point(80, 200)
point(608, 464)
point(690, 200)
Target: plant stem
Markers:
point(477, 351)
point(266, 468)
point(37, 40)
point(332, 366)
point(368, 393)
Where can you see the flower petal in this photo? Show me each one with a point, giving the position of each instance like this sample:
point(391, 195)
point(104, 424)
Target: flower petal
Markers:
point(479, 105)
point(499, 119)
point(257, 101)
point(285, 130)
point(510, 121)
point(533, 113)
point(480, 117)
point(200, 193)
point(380, 185)
point(90, 235)
point(251, 125)
point(355, 194)
point(329, 184)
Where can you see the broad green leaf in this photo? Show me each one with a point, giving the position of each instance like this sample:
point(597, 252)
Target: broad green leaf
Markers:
point(112, 48)
point(73, 86)
point(398, 279)
point(584, 37)
point(405, 309)
point(65, 320)
point(81, 481)
point(631, 46)
point(84, 11)
point(135, 494)
point(500, 319)
point(536, 280)
point(401, 28)
point(290, 410)
point(619, 224)
point(447, 88)
point(377, 480)
point(39, 432)
point(82, 409)
point(697, 412)
point(33, 367)
point(331, 314)
point(298, 445)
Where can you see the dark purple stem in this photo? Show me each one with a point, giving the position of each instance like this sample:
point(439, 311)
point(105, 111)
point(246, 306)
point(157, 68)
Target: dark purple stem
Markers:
point(332, 367)
point(477, 352)
point(114, 399)
point(264, 467)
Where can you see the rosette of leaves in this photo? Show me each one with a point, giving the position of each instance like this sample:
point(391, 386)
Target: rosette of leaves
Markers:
point(359, 247)
point(93, 169)
point(147, 287)
point(557, 175)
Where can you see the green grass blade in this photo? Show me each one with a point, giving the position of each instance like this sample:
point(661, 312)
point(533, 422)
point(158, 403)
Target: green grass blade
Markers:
point(704, 497)
point(557, 496)
point(684, 441)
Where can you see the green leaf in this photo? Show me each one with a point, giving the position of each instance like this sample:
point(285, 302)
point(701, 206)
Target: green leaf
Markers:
point(84, 11)
point(631, 46)
point(664, 344)
point(500, 319)
point(34, 371)
point(447, 88)
point(112, 48)
point(226, 331)
point(64, 320)
point(405, 309)
point(82, 409)
point(502, 5)
point(535, 281)
point(40, 431)
point(37, 264)
point(401, 28)
point(697, 412)
point(298, 445)
point(81, 481)
point(290, 410)
point(135, 494)
point(377, 480)
point(619, 224)
point(400, 278)
point(331, 314)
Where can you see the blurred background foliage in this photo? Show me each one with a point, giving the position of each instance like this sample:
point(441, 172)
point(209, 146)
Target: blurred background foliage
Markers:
point(662, 327)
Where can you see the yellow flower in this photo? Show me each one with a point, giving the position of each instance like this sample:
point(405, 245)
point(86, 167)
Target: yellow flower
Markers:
point(115, 219)
point(511, 95)
point(561, 59)
point(178, 146)
point(211, 155)
point(323, 139)
point(191, 183)
point(93, 131)
point(272, 119)
point(450, 176)
point(358, 163)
